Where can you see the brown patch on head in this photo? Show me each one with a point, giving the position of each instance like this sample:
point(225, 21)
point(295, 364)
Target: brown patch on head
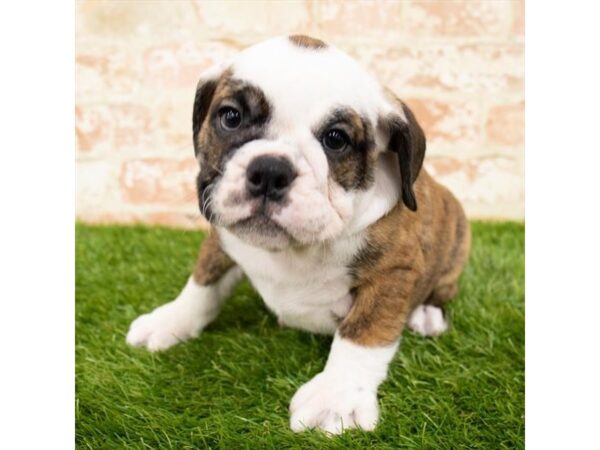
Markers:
point(302, 40)
point(212, 261)
point(352, 168)
point(210, 140)
point(410, 258)
point(214, 145)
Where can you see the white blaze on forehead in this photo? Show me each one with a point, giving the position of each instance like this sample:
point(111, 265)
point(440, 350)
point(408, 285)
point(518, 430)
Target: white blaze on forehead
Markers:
point(304, 84)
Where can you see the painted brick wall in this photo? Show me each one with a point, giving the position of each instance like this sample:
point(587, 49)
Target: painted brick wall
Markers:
point(458, 64)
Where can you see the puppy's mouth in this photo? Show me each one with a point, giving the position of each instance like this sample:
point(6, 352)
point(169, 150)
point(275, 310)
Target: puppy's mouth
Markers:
point(259, 223)
point(261, 230)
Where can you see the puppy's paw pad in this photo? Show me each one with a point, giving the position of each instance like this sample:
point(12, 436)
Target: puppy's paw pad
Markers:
point(161, 329)
point(428, 320)
point(332, 405)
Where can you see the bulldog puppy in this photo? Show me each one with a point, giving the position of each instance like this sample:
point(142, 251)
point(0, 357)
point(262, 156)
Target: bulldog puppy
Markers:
point(311, 179)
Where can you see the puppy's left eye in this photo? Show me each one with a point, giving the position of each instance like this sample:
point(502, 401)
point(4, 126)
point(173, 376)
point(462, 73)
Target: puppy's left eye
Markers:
point(230, 118)
point(335, 140)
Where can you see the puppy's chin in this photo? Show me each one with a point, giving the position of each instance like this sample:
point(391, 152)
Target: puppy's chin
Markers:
point(261, 231)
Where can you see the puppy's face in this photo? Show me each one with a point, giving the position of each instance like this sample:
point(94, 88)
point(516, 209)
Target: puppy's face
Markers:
point(297, 144)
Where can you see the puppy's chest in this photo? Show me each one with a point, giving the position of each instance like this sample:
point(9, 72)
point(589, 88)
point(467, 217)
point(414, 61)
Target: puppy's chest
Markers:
point(309, 289)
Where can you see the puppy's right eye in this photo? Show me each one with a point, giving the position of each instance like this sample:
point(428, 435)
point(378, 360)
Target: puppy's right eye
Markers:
point(230, 118)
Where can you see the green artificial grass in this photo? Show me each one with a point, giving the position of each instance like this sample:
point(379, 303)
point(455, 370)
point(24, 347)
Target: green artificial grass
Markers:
point(230, 388)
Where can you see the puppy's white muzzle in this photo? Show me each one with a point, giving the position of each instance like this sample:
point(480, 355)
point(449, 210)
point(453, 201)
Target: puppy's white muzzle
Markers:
point(273, 194)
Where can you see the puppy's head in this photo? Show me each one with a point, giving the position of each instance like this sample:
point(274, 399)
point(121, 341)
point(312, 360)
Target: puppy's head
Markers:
point(297, 144)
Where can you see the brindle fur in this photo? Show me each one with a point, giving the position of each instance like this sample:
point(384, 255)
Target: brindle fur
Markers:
point(353, 169)
point(410, 258)
point(212, 144)
point(302, 40)
point(212, 261)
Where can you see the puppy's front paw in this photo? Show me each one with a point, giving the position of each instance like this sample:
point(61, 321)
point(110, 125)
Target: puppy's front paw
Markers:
point(164, 327)
point(333, 404)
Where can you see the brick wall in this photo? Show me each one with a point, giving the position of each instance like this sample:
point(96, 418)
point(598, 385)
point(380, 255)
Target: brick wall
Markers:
point(458, 64)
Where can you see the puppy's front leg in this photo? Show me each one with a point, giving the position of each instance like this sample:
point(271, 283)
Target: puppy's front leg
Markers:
point(344, 394)
point(196, 306)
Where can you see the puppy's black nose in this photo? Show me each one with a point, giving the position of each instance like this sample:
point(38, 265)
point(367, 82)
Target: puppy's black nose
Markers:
point(269, 177)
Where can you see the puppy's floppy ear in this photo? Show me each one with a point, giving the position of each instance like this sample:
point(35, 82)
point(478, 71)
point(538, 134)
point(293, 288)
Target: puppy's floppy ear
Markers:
point(407, 140)
point(204, 95)
point(205, 91)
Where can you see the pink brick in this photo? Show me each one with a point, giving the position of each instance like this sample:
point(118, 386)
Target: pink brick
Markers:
point(353, 18)
point(126, 19)
point(178, 65)
point(489, 187)
point(518, 26)
point(158, 180)
point(254, 18)
point(92, 127)
point(133, 126)
point(447, 122)
point(457, 18)
point(505, 124)
point(106, 70)
point(446, 67)
point(173, 126)
point(445, 166)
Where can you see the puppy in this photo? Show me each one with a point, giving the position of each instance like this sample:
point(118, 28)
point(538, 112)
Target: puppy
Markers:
point(311, 178)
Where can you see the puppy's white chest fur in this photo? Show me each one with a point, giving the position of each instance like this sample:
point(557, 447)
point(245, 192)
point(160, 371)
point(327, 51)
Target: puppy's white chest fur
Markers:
point(307, 289)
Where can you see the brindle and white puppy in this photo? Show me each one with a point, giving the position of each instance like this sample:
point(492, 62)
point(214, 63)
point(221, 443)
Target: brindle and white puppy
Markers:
point(310, 175)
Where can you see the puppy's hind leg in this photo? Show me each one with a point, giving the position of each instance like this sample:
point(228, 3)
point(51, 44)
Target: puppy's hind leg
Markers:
point(429, 319)
point(196, 306)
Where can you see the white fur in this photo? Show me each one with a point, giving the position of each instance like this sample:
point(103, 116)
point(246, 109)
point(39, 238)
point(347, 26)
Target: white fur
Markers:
point(373, 203)
point(183, 318)
point(344, 394)
point(427, 320)
point(306, 83)
point(306, 288)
